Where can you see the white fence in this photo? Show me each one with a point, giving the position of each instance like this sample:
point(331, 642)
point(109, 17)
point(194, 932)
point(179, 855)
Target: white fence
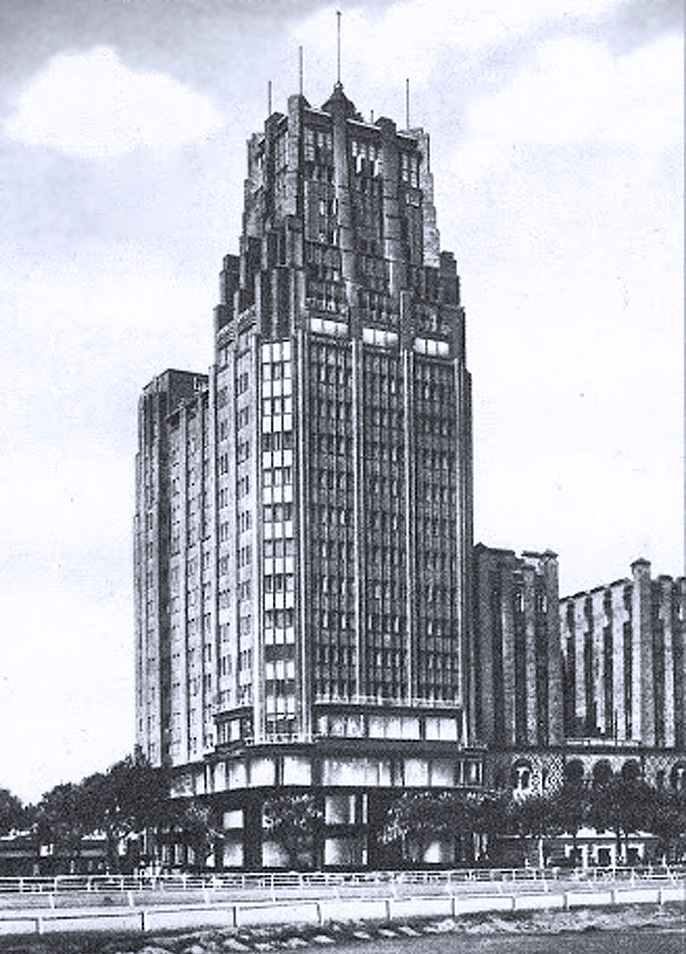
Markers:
point(333, 881)
point(69, 904)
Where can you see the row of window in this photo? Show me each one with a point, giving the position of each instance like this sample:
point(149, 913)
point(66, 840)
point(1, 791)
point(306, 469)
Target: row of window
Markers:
point(279, 703)
point(277, 440)
point(277, 476)
point(318, 145)
point(279, 583)
point(277, 405)
point(277, 512)
point(271, 425)
point(281, 669)
point(280, 636)
point(278, 547)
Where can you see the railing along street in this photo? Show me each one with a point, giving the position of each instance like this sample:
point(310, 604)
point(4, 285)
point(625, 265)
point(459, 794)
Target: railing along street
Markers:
point(333, 881)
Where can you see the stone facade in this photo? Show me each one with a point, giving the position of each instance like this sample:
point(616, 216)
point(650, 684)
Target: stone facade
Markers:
point(517, 665)
point(311, 616)
point(304, 512)
point(624, 663)
point(597, 679)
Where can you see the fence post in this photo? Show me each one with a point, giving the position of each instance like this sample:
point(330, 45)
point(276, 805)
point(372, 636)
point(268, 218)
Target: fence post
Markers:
point(144, 921)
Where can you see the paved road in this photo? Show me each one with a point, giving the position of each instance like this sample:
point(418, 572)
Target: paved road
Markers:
point(640, 941)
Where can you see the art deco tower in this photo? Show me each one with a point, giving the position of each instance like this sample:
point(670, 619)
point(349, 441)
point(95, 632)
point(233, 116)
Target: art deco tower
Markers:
point(304, 523)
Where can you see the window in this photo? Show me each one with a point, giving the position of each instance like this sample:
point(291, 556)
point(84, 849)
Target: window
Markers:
point(521, 777)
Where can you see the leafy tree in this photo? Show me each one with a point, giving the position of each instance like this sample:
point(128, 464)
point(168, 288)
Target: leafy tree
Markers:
point(623, 805)
point(533, 817)
point(571, 806)
point(64, 816)
point(668, 822)
point(13, 815)
point(491, 813)
point(417, 819)
point(130, 797)
point(291, 820)
point(473, 821)
point(195, 823)
point(461, 812)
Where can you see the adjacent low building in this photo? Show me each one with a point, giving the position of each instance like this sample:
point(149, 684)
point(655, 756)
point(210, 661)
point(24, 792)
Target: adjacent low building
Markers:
point(516, 659)
point(594, 682)
point(624, 664)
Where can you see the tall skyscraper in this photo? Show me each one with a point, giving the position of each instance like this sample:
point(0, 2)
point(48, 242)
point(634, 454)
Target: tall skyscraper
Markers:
point(304, 513)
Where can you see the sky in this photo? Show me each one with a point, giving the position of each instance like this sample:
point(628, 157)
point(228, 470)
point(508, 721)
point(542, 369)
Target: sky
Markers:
point(556, 129)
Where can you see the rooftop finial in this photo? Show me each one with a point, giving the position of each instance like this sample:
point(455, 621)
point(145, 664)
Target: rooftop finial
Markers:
point(300, 67)
point(407, 104)
point(269, 98)
point(338, 47)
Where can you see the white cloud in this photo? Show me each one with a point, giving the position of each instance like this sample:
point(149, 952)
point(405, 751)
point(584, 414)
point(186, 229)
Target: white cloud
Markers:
point(575, 91)
point(406, 38)
point(92, 106)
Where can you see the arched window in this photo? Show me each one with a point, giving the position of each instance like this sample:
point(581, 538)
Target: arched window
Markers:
point(521, 777)
point(602, 772)
point(631, 770)
point(574, 772)
point(679, 777)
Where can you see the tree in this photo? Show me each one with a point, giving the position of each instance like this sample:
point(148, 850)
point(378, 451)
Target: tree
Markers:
point(12, 812)
point(291, 820)
point(491, 812)
point(533, 817)
point(623, 805)
point(130, 797)
point(415, 820)
point(64, 816)
point(462, 824)
point(195, 824)
point(668, 822)
point(571, 806)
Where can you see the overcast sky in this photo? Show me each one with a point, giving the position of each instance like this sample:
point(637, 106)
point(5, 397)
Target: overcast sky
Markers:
point(556, 149)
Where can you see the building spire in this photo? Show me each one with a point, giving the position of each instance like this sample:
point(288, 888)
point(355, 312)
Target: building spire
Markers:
point(338, 48)
point(300, 69)
point(407, 104)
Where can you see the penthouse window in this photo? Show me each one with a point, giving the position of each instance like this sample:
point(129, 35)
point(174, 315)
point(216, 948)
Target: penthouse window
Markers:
point(409, 168)
point(318, 146)
point(367, 158)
